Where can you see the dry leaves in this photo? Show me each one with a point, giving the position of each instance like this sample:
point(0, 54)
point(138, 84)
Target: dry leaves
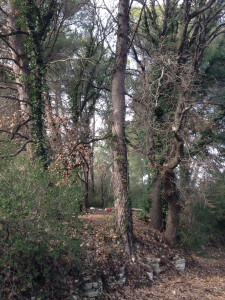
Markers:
point(204, 278)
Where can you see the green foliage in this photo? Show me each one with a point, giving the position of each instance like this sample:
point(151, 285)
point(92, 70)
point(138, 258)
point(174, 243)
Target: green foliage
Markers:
point(203, 222)
point(197, 225)
point(38, 229)
point(213, 65)
point(138, 179)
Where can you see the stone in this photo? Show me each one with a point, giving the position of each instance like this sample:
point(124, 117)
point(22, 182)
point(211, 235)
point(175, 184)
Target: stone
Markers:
point(117, 279)
point(179, 263)
point(150, 275)
point(154, 263)
point(93, 288)
point(122, 272)
point(121, 276)
point(122, 281)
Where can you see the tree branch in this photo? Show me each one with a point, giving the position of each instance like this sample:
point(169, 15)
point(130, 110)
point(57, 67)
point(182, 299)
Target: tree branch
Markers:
point(18, 151)
point(201, 9)
point(13, 33)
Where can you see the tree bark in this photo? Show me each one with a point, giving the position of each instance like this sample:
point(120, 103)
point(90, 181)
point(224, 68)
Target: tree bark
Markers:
point(171, 195)
point(156, 209)
point(120, 176)
point(54, 128)
point(20, 67)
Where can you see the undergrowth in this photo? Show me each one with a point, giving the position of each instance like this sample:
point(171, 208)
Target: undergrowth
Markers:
point(39, 231)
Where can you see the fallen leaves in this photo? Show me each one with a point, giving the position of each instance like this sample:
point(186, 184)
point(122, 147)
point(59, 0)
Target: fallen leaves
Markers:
point(103, 253)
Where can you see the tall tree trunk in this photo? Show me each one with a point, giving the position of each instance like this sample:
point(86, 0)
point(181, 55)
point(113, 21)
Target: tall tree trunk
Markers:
point(38, 113)
point(120, 177)
point(172, 197)
point(19, 66)
point(91, 164)
point(156, 209)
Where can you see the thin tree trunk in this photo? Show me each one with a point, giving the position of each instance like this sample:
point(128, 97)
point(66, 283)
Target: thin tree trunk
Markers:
point(120, 176)
point(156, 209)
point(91, 166)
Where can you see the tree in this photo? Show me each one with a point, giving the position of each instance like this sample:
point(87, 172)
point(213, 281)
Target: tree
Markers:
point(33, 28)
point(169, 47)
point(120, 165)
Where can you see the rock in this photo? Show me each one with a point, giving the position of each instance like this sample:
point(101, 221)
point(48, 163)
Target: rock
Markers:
point(117, 279)
point(150, 275)
point(121, 276)
point(179, 263)
point(122, 272)
point(122, 281)
point(93, 288)
point(154, 263)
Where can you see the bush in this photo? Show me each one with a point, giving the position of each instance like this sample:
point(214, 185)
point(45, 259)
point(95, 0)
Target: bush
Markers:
point(197, 223)
point(39, 231)
point(203, 221)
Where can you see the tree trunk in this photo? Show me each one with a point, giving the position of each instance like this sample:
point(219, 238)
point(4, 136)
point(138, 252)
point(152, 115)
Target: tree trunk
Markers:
point(86, 187)
point(156, 209)
point(91, 165)
point(19, 66)
point(120, 176)
point(172, 197)
point(38, 113)
point(54, 128)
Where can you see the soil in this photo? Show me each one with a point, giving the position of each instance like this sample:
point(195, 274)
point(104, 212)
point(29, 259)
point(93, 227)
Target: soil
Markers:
point(103, 255)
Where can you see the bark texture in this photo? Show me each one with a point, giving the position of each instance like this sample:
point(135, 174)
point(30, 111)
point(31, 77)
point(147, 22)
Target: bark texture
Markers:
point(120, 176)
point(19, 66)
point(171, 195)
point(156, 209)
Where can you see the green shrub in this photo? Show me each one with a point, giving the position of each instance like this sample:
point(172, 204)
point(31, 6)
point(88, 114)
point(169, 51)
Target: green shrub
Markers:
point(197, 224)
point(203, 221)
point(38, 230)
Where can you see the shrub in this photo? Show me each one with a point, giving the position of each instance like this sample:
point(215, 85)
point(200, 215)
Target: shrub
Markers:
point(39, 230)
point(203, 220)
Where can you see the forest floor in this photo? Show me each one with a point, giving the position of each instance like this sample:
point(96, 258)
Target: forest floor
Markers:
point(203, 278)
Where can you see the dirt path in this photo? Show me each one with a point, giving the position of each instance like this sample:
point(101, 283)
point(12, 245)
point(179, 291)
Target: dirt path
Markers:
point(203, 279)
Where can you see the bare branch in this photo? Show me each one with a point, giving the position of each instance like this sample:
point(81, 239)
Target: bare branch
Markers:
point(13, 33)
point(18, 151)
point(17, 128)
point(15, 98)
point(8, 58)
point(201, 10)
point(4, 12)
point(93, 140)
point(7, 88)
